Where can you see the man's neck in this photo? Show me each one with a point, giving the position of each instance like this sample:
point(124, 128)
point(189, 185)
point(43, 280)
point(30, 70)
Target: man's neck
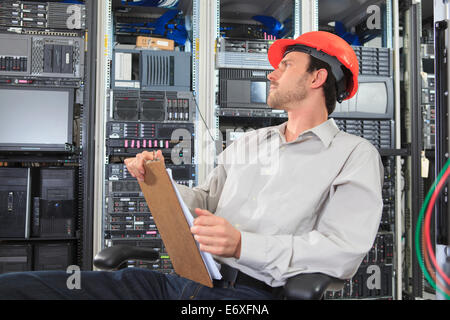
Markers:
point(301, 120)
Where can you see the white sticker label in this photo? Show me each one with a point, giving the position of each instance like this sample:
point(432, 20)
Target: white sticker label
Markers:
point(162, 43)
point(123, 66)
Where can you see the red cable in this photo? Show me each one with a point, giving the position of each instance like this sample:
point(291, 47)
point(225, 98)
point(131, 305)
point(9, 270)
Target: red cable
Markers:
point(432, 273)
point(427, 224)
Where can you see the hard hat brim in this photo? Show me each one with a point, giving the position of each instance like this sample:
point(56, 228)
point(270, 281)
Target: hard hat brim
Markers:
point(277, 49)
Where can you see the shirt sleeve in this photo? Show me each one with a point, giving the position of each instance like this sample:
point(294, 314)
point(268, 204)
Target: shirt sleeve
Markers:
point(206, 195)
point(344, 232)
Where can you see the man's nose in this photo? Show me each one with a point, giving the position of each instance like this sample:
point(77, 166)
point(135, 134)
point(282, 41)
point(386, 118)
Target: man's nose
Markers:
point(272, 76)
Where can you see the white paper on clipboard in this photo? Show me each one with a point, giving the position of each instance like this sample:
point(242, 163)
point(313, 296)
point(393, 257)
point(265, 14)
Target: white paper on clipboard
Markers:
point(208, 259)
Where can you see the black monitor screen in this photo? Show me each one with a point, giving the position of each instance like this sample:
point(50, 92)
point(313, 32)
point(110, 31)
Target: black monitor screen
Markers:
point(35, 118)
point(258, 92)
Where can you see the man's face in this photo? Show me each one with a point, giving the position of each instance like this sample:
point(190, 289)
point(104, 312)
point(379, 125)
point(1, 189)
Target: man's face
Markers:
point(288, 83)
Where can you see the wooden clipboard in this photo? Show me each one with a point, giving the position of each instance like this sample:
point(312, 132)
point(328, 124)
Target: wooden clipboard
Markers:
point(166, 210)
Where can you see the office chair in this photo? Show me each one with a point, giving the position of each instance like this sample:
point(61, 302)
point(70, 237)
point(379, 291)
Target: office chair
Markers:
point(309, 286)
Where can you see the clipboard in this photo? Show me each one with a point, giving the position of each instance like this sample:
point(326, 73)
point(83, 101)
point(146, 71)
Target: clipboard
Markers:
point(167, 213)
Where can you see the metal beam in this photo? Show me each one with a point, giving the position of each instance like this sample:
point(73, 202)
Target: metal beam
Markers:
point(88, 140)
point(310, 16)
point(103, 53)
point(398, 176)
point(207, 124)
point(417, 193)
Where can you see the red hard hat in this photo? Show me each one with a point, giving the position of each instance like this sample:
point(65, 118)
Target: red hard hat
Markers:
point(320, 42)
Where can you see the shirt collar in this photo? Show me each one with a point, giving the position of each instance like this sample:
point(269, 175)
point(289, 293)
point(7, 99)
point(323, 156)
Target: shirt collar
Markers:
point(325, 131)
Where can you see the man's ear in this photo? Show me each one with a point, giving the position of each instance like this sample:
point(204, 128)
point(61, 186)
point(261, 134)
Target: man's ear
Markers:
point(319, 78)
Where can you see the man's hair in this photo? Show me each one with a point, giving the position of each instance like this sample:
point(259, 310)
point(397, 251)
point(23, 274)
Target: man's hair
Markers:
point(329, 87)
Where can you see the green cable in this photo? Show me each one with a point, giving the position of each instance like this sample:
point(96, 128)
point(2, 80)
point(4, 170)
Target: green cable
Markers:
point(418, 227)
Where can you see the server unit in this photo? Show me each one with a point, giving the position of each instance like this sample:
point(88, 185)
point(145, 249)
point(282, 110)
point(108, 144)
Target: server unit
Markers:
point(150, 70)
point(243, 88)
point(42, 15)
point(42, 56)
point(163, 106)
point(53, 256)
point(15, 258)
point(379, 132)
point(180, 173)
point(55, 216)
point(176, 141)
point(243, 53)
point(15, 188)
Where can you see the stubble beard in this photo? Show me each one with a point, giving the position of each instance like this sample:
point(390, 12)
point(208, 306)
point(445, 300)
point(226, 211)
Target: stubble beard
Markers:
point(282, 100)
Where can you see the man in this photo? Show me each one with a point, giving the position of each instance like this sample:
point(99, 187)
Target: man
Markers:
point(308, 200)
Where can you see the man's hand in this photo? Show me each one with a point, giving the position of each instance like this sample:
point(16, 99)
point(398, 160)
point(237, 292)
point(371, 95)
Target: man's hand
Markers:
point(136, 166)
point(216, 235)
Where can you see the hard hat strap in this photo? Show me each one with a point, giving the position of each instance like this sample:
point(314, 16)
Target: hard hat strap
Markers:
point(335, 65)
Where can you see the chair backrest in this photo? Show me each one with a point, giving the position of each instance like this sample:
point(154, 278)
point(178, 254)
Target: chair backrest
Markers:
point(311, 286)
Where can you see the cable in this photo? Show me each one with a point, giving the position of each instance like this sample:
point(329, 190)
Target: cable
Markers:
point(200, 113)
point(418, 228)
point(427, 224)
point(426, 233)
point(430, 268)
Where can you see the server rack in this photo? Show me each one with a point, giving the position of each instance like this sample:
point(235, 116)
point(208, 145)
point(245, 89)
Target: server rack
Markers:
point(245, 60)
point(147, 101)
point(378, 276)
point(48, 27)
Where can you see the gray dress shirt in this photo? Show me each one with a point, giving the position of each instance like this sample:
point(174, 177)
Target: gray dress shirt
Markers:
point(310, 205)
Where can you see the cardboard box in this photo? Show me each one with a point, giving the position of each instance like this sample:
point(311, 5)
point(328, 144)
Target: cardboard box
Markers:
point(157, 43)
